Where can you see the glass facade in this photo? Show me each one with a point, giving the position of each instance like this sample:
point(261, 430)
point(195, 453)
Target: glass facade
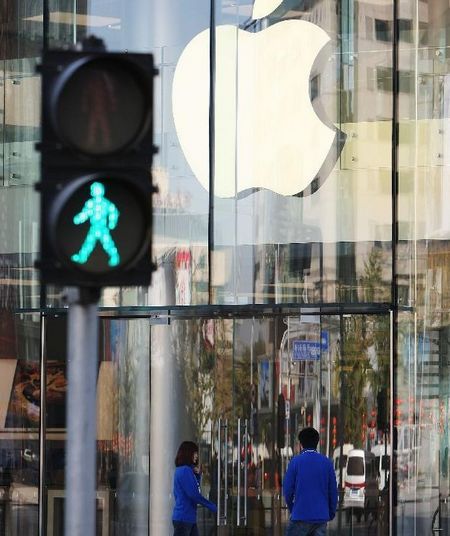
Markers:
point(302, 244)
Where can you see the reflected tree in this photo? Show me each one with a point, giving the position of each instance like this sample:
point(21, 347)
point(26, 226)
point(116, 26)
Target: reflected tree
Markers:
point(366, 350)
point(354, 372)
point(204, 350)
point(379, 340)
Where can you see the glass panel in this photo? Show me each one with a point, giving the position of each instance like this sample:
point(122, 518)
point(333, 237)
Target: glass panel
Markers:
point(302, 152)
point(335, 377)
point(421, 415)
point(243, 390)
point(21, 172)
point(192, 364)
point(255, 367)
point(180, 224)
point(422, 375)
point(22, 118)
point(182, 204)
point(328, 192)
point(21, 44)
point(123, 393)
point(19, 423)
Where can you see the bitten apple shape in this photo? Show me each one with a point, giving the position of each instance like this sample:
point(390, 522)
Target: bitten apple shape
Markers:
point(267, 134)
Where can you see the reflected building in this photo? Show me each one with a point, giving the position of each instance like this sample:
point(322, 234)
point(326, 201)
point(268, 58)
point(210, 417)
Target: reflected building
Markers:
point(301, 234)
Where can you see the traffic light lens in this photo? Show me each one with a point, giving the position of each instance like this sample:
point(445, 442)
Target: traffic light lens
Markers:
point(103, 216)
point(94, 224)
point(102, 107)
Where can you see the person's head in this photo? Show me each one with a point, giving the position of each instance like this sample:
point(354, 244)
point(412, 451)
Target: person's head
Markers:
point(309, 438)
point(187, 454)
point(97, 189)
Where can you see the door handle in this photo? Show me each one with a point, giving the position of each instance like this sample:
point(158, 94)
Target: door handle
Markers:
point(225, 462)
point(242, 429)
point(222, 431)
point(238, 472)
point(219, 469)
point(245, 470)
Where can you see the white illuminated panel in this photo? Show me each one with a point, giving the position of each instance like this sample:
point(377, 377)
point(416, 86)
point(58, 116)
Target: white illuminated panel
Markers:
point(63, 17)
point(267, 133)
point(262, 8)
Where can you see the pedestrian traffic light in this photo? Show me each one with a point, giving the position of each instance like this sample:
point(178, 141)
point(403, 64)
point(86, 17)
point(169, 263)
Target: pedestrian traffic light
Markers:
point(96, 156)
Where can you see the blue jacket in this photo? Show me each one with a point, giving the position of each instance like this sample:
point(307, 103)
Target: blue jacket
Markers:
point(310, 488)
point(186, 490)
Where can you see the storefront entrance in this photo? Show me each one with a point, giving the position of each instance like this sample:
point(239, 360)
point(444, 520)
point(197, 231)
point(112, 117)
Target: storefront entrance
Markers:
point(244, 387)
point(241, 386)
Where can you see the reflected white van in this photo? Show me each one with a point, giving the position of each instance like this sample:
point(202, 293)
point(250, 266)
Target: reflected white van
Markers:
point(361, 481)
point(383, 457)
point(346, 448)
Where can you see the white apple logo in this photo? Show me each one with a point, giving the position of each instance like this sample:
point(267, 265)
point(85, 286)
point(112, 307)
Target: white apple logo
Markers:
point(267, 134)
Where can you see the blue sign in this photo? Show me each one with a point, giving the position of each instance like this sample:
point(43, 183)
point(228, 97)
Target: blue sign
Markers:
point(324, 338)
point(306, 350)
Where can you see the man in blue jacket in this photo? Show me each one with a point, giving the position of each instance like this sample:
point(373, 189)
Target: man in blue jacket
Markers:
point(310, 488)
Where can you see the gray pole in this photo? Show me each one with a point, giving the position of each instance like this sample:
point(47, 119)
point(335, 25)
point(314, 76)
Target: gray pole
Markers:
point(82, 353)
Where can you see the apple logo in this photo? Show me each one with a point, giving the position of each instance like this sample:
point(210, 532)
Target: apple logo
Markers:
point(267, 132)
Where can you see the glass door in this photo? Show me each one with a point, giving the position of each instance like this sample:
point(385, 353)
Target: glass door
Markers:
point(257, 461)
point(242, 388)
point(334, 376)
point(227, 369)
point(122, 414)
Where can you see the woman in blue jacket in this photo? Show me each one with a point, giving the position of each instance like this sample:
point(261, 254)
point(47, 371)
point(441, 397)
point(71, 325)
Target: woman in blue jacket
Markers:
point(186, 490)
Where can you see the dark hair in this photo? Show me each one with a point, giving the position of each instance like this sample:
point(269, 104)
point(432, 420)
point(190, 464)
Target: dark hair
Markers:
point(309, 438)
point(185, 453)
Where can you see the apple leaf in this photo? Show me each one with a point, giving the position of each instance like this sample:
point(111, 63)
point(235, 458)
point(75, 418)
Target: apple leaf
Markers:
point(263, 8)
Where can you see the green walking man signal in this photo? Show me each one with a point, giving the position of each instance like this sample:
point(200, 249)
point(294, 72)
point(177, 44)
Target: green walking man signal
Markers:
point(103, 216)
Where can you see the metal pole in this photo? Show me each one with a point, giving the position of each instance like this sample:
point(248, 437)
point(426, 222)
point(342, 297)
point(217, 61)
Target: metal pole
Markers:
point(341, 420)
point(82, 353)
point(42, 428)
point(329, 453)
point(392, 393)
point(219, 472)
point(238, 514)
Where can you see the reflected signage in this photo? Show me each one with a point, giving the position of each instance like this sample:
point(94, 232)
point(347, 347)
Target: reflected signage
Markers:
point(305, 350)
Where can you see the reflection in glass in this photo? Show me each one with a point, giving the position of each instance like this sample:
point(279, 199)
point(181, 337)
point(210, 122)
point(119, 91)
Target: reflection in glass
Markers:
point(421, 404)
point(123, 462)
point(19, 423)
point(247, 386)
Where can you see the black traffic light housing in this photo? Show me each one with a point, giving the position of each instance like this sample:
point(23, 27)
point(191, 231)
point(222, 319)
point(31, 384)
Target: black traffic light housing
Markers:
point(96, 155)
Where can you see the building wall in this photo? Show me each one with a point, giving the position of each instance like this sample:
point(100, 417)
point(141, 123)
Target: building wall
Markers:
point(272, 239)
